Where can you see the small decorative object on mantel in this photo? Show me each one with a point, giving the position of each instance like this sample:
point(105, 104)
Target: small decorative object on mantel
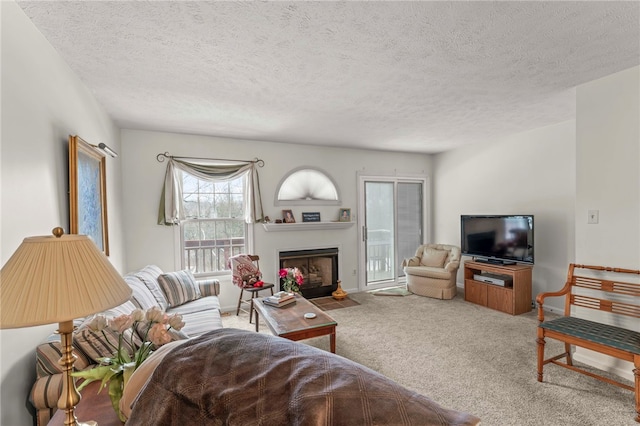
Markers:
point(267, 219)
point(339, 294)
point(311, 216)
point(345, 215)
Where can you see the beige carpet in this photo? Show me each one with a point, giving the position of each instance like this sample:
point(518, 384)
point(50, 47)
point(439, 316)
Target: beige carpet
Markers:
point(469, 358)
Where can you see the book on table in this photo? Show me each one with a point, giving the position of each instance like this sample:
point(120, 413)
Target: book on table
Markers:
point(280, 297)
point(281, 304)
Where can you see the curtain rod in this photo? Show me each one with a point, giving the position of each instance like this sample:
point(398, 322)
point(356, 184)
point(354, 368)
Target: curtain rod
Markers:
point(164, 155)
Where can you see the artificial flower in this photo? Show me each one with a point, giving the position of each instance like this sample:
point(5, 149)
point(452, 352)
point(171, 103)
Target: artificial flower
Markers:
point(152, 326)
point(291, 279)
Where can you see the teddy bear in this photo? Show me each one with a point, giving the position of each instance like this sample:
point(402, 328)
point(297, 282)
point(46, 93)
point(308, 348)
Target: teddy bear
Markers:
point(252, 280)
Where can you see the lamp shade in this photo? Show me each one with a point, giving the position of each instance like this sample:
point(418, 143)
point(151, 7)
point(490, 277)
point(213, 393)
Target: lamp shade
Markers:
point(51, 279)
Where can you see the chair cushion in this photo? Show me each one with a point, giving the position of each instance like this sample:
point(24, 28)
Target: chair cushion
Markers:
point(179, 287)
point(609, 335)
point(427, 271)
point(433, 257)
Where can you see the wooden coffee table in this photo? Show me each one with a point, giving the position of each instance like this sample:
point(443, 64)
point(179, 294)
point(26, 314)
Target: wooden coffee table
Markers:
point(289, 321)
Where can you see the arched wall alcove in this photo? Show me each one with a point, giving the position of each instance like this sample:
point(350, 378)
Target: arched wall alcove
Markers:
point(307, 186)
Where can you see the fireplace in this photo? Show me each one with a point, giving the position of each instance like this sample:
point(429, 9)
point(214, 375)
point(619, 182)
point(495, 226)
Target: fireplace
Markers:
point(319, 268)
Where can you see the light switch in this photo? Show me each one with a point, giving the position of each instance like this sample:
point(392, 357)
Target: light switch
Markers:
point(593, 216)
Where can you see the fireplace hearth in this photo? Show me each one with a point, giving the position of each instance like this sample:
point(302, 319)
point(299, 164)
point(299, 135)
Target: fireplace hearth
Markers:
point(319, 268)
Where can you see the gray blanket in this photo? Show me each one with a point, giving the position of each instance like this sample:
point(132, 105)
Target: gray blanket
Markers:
point(236, 377)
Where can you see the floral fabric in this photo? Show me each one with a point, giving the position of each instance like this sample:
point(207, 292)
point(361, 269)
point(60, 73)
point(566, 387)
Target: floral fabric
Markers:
point(242, 265)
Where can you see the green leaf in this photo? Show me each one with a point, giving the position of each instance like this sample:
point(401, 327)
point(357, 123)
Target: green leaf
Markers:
point(93, 374)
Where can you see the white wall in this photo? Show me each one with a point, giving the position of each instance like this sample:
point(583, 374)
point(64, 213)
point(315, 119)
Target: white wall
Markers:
point(608, 180)
point(608, 170)
point(43, 102)
point(143, 176)
point(527, 173)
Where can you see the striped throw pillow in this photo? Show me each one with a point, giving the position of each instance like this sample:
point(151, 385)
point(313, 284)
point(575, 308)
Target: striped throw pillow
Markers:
point(105, 343)
point(142, 296)
point(179, 287)
point(149, 276)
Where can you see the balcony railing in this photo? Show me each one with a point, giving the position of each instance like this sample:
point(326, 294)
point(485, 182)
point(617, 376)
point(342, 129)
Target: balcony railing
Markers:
point(204, 256)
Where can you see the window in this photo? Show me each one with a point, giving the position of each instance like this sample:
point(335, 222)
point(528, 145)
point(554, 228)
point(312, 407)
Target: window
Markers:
point(214, 228)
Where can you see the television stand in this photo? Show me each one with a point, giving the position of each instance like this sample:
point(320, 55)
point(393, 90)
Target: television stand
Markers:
point(514, 300)
point(495, 262)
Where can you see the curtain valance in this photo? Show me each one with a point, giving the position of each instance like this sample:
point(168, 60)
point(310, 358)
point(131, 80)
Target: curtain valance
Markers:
point(171, 211)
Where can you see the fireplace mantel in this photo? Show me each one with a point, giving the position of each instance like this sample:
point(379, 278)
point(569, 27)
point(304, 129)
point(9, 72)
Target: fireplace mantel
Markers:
point(305, 226)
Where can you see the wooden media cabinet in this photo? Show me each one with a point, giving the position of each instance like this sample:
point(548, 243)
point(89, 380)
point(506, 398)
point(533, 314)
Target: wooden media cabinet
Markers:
point(514, 300)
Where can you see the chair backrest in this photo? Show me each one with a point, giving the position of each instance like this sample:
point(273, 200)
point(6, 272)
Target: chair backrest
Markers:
point(605, 292)
point(453, 252)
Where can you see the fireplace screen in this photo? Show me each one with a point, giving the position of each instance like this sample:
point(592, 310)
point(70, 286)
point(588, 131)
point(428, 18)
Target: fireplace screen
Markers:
point(319, 268)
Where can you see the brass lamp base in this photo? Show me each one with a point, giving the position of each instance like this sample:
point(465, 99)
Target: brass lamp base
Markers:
point(70, 397)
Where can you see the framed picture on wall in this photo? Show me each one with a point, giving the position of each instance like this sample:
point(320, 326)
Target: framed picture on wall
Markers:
point(88, 193)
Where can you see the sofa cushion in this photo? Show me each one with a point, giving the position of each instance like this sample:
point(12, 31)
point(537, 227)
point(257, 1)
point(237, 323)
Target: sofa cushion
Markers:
point(197, 323)
point(102, 344)
point(149, 276)
point(434, 258)
point(179, 287)
point(202, 304)
point(142, 296)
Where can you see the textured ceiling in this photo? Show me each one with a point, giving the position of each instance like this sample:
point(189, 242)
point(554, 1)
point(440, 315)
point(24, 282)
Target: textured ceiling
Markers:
point(402, 76)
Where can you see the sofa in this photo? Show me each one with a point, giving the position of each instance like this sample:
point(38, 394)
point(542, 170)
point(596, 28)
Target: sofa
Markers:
point(432, 271)
point(174, 292)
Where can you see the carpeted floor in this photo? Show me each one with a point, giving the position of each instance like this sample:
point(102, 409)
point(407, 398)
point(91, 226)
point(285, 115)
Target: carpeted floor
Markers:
point(469, 358)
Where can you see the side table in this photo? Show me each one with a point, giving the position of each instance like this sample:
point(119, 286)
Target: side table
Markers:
point(93, 406)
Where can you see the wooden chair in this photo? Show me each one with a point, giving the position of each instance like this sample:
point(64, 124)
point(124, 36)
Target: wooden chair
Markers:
point(253, 291)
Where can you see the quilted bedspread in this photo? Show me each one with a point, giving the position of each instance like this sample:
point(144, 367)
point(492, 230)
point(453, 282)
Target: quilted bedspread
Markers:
point(237, 377)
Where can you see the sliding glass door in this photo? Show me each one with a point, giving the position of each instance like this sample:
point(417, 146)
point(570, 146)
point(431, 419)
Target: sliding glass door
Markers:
point(392, 214)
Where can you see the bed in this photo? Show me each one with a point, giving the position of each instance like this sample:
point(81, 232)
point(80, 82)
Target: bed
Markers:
point(237, 377)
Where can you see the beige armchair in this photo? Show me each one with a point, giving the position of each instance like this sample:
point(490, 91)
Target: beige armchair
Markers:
point(432, 271)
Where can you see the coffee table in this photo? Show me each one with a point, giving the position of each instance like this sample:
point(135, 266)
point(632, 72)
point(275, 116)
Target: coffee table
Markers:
point(289, 321)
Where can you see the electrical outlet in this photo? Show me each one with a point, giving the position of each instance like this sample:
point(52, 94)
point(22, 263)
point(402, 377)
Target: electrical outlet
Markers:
point(594, 216)
point(354, 272)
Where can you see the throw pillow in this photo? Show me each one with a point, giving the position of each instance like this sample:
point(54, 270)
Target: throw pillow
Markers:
point(149, 276)
point(179, 287)
point(434, 258)
point(105, 343)
point(142, 296)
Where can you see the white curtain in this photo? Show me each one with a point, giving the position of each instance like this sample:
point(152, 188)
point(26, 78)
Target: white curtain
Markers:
point(171, 210)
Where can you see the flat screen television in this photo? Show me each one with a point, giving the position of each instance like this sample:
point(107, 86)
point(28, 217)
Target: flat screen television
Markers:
point(501, 239)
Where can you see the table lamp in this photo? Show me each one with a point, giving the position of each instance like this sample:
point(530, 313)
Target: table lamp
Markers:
point(59, 278)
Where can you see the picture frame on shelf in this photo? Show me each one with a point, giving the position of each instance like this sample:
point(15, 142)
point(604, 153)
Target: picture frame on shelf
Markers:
point(287, 216)
point(88, 193)
point(345, 215)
